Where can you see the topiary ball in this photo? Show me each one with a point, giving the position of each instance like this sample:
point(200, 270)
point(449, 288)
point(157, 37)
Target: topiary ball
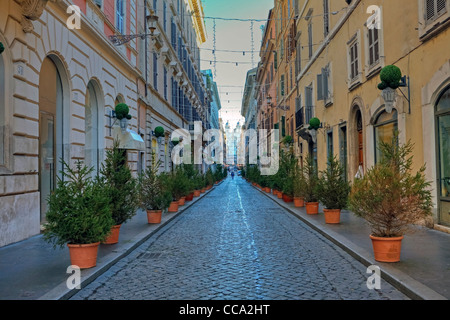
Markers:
point(391, 76)
point(159, 131)
point(314, 123)
point(122, 111)
point(2, 48)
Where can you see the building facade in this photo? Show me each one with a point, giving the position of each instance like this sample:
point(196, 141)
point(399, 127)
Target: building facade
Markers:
point(340, 49)
point(61, 76)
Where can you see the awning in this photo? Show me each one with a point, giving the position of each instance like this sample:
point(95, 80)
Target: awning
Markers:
point(128, 139)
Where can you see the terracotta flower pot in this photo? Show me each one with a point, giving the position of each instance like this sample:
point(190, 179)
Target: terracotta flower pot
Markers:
point(287, 198)
point(299, 202)
point(267, 189)
point(83, 255)
point(182, 201)
point(279, 194)
point(197, 193)
point(312, 207)
point(254, 183)
point(208, 187)
point(202, 190)
point(387, 249)
point(154, 216)
point(190, 196)
point(173, 206)
point(332, 216)
point(114, 236)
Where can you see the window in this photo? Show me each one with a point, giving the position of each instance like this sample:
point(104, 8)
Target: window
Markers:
point(165, 83)
point(120, 16)
point(326, 18)
point(443, 133)
point(434, 9)
point(310, 40)
point(309, 108)
point(323, 85)
point(385, 128)
point(354, 60)
point(298, 60)
point(165, 16)
point(354, 70)
point(374, 47)
point(155, 71)
point(282, 85)
point(330, 151)
point(99, 3)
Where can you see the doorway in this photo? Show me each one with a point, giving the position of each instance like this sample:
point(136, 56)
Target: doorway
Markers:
point(50, 131)
point(443, 156)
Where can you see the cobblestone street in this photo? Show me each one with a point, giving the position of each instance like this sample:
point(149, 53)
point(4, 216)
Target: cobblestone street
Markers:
point(236, 243)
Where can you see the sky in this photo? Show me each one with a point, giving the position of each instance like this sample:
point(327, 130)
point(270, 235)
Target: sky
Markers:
point(232, 35)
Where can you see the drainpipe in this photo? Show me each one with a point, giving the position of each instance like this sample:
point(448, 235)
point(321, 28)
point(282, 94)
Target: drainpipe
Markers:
point(145, 31)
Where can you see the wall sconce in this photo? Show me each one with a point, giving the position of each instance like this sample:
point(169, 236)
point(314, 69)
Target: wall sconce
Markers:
point(389, 96)
point(152, 20)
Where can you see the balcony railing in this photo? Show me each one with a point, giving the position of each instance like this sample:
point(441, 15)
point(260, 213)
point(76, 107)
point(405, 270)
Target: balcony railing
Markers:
point(303, 116)
point(299, 118)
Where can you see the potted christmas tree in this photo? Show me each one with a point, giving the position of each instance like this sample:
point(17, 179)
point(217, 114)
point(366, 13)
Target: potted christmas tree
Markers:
point(122, 189)
point(392, 199)
point(153, 195)
point(333, 190)
point(79, 214)
point(309, 191)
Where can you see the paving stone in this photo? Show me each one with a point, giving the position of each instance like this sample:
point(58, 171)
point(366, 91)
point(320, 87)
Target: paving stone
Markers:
point(236, 244)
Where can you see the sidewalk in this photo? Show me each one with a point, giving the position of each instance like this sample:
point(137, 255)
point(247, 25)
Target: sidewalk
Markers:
point(32, 270)
point(424, 269)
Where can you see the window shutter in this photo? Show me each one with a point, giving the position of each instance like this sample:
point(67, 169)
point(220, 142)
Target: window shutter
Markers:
point(325, 83)
point(430, 13)
point(320, 87)
point(441, 6)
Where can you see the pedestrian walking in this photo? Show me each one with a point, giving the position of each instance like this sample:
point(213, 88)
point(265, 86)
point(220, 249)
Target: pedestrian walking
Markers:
point(232, 175)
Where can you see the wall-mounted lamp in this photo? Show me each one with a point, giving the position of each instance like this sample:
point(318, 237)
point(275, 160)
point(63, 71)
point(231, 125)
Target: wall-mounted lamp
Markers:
point(152, 20)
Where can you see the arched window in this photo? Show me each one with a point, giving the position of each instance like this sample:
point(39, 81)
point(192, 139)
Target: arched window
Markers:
point(92, 127)
point(443, 133)
point(385, 126)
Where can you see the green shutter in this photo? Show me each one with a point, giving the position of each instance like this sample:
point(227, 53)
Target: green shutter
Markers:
point(283, 126)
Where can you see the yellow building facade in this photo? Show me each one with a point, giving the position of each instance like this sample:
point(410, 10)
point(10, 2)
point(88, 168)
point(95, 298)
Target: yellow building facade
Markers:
point(340, 48)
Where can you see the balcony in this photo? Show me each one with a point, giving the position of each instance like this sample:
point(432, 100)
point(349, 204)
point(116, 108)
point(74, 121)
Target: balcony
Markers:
point(299, 118)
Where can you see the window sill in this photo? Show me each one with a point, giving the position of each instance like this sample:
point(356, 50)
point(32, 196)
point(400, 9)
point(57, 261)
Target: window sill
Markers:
point(374, 70)
point(354, 84)
point(434, 29)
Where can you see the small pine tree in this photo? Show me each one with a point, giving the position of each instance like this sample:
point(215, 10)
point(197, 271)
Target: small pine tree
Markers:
point(79, 208)
point(153, 191)
point(389, 196)
point(332, 188)
point(122, 186)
